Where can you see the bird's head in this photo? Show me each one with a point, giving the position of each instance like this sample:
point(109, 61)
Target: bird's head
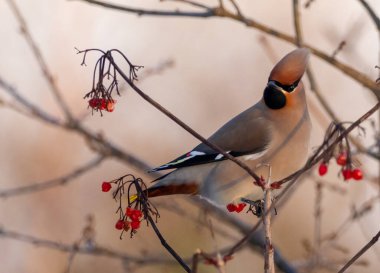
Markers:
point(284, 87)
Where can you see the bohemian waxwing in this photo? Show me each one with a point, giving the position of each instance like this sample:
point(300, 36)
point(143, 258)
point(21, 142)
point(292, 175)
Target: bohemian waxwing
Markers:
point(274, 131)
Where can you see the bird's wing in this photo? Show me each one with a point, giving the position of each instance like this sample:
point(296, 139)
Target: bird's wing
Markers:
point(246, 134)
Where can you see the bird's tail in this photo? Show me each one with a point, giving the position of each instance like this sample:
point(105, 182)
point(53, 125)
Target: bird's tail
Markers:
point(155, 191)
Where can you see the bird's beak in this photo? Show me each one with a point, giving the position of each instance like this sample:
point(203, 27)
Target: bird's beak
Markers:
point(289, 70)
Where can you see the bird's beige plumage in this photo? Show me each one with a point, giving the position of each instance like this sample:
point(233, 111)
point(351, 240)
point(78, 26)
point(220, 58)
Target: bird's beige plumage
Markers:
point(274, 131)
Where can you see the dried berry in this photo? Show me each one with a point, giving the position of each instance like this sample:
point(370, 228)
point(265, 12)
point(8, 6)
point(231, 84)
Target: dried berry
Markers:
point(110, 106)
point(127, 225)
point(275, 185)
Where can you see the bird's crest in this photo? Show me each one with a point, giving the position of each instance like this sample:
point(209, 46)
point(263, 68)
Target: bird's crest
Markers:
point(290, 68)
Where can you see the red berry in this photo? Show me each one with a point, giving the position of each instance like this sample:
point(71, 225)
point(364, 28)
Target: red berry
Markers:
point(134, 217)
point(106, 186)
point(137, 213)
point(102, 104)
point(323, 168)
point(275, 185)
point(240, 207)
point(346, 174)
point(357, 174)
point(119, 224)
point(129, 211)
point(341, 159)
point(231, 207)
point(135, 224)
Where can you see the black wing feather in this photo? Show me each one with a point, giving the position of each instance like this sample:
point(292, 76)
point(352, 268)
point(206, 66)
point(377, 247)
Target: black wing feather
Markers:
point(188, 160)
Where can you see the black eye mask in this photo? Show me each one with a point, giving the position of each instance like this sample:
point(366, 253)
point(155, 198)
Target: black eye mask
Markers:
point(287, 88)
point(273, 97)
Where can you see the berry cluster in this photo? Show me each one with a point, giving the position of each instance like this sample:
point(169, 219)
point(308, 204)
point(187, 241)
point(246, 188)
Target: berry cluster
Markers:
point(139, 207)
point(347, 170)
point(231, 207)
point(99, 104)
point(131, 220)
point(341, 152)
point(105, 79)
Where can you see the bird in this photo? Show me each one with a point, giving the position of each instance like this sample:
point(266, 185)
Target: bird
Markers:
point(273, 132)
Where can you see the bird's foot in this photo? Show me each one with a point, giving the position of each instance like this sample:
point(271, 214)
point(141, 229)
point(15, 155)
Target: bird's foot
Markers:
point(256, 207)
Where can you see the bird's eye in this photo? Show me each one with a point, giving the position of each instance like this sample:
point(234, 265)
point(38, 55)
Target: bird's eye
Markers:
point(287, 88)
point(273, 97)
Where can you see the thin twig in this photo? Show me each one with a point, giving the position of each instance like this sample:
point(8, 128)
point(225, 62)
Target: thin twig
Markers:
point(140, 12)
point(194, 267)
point(180, 122)
point(361, 252)
point(30, 107)
point(255, 239)
point(318, 222)
point(191, 3)
point(159, 235)
point(95, 251)
point(40, 59)
point(318, 156)
point(104, 146)
point(60, 181)
point(312, 79)
point(238, 10)
point(372, 14)
point(222, 12)
point(355, 214)
point(292, 179)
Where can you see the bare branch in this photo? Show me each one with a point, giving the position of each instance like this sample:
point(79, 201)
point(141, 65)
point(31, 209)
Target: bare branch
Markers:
point(176, 13)
point(253, 237)
point(60, 181)
point(222, 12)
point(166, 112)
point(237, 8)
point(95, 251)
point(292, 179)
point(372, 14)
point(159, 235)
point(30, 107)
point(192, 3)
point(104, 146)
point(361, 252)
point(355, 214)
point(40, 59)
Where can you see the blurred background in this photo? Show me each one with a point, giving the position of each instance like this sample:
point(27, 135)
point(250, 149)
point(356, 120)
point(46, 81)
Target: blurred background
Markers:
point(204, 70)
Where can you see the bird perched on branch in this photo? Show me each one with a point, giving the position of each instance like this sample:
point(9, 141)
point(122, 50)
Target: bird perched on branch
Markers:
point(275, 131)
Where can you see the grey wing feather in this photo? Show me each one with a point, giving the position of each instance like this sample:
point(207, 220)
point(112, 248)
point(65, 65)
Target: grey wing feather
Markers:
point(247, 133)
